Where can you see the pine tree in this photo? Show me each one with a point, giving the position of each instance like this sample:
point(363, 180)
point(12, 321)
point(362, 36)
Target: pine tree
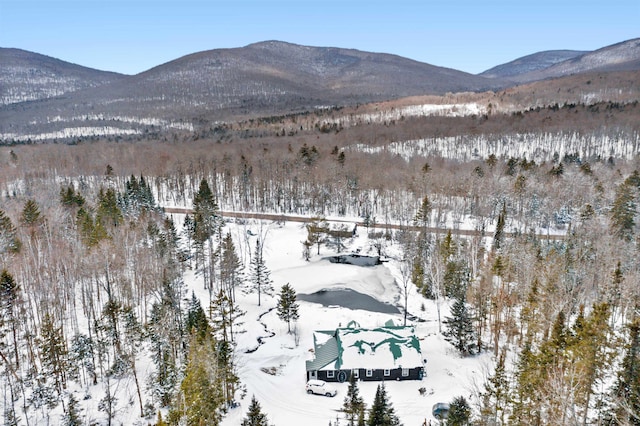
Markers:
point(255, 416)
point(81, 358)
point(230, 268)
point(72, 416)
point(260, 275)
point(31, 215)
point(623, 211)
point(588, 348)
point(133, 338)
point(166, 335)
point(201, 400)
point(206, 216)
point(53, 352)
point(495, 398)
point(287, 307)
point(459, 330)
point(9, 242)
point(498, 237)
point(108, 212)
point(219, 312)
point(228, 378)
point(9, 298)
point(196, 322)
point(70, 198)
point(382, 412)
point(353, 405)
point(423, 215)
point(459, 412)
point(627, 387)
point(526, 393)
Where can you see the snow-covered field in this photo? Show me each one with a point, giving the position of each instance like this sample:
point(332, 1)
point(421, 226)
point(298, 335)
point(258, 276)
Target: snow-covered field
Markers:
point(275, 372)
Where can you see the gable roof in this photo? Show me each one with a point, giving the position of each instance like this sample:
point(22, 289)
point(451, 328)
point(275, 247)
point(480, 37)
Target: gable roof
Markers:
point(325, 348)
point(377, 348)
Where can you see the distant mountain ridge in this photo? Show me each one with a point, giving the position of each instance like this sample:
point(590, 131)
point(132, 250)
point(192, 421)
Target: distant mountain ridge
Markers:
point(529, 63)
point(266, 78)
point(623, 56)
point(28, 76)
point(263, 78)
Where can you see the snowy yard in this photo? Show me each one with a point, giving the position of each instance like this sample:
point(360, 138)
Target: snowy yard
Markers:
point(275, 372)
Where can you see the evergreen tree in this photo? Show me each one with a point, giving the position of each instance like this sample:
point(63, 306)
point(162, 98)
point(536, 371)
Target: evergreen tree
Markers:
point(459, 412)
point(498, 237)
point(459, 330)
point(81, 358)
point(255, 416)
point(227, 371)
point(423, 215)
point(10, 418)
point(382, 412)
point(53, 353)
point(9, 242)
point(196, 322)
point(230, 268)
point(260, 276)
point(70, 198)
point(457, 276)
point(31, 215)
point(9, 298)
point(108, 212)
point(137, 197)
point(219, 311)
point(166, 335)
point(353, 405)
point(590, 356)
point(72, 416)
point(201, 401)
point(623, 211)
point(495, 398)
point(627, 387)
point(526, 393)
point(206, 216)
point(287, 307)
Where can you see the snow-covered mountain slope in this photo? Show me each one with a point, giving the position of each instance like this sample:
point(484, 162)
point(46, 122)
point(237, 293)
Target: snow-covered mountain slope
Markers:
point(529, 63)
point(27, 76)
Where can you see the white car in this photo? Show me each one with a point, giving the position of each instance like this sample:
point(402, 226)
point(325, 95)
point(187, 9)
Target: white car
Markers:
point(320, 387)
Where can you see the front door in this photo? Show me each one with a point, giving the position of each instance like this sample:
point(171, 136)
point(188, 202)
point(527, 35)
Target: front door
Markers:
point(314, 374)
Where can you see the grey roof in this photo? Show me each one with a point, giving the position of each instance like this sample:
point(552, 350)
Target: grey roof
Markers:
point(325, 353)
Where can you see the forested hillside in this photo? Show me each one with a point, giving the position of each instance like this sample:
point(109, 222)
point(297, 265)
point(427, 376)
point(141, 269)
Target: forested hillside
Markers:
point(92, 269)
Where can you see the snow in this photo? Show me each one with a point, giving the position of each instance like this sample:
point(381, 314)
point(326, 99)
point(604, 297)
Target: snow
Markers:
point(371, 348)
point(275, 371)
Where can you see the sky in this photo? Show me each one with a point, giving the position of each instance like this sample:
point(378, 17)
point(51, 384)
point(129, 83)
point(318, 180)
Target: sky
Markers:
point(131, 36)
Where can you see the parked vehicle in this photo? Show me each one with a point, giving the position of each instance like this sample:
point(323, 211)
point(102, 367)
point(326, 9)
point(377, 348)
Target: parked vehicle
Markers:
point(320, 387)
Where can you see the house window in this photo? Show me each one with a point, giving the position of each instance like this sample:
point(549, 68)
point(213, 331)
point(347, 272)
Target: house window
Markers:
point(405, 372)
point(356, 373)
point(331, 374)
point(387, 372)
point(369, 373)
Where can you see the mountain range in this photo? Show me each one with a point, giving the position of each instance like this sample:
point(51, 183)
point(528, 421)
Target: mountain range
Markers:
point(43, 98)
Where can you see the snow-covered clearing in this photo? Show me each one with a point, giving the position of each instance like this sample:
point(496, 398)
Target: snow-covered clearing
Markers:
point(275, 372)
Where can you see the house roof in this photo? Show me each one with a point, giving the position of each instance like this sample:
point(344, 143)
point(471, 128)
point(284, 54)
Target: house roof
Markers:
point(325, 348)
point(376, 348)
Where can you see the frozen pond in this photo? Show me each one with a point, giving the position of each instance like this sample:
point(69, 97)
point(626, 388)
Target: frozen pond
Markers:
point(350, 299)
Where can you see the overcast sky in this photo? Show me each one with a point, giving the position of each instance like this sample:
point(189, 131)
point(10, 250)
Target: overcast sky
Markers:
point(131, 36)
